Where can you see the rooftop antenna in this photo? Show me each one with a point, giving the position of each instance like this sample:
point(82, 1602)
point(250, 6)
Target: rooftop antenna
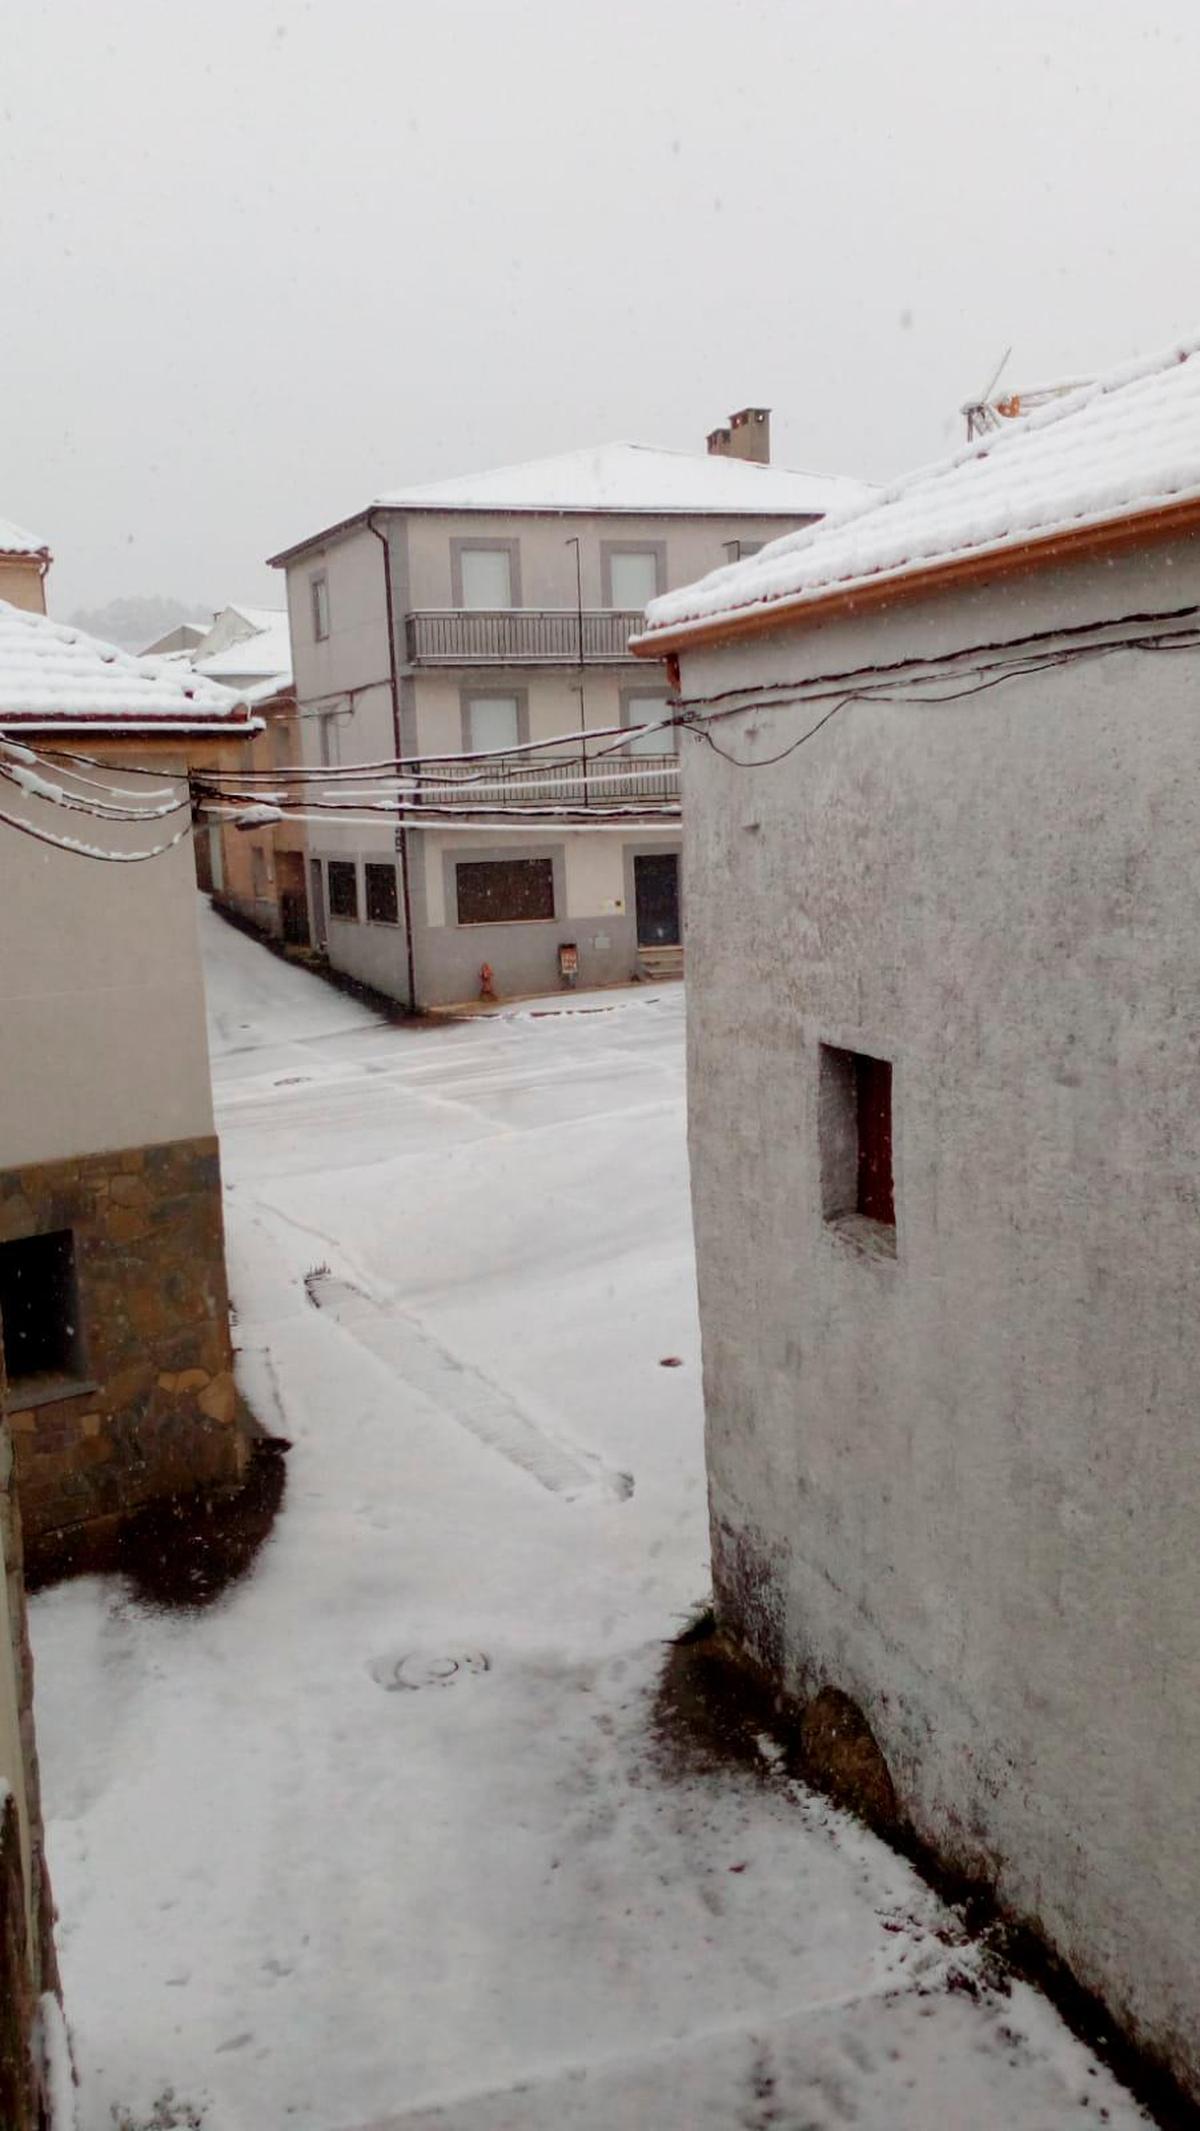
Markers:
point(981, 414)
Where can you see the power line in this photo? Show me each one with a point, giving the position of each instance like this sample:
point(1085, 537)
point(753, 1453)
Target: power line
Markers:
point(72, 845)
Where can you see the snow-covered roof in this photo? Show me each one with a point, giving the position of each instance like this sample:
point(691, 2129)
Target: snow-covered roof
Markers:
point(633, 477)
point(624, 478)
point(52, 675)
point(16, 540)
point(1126, 444)
point(265, 653)
point(259, 617)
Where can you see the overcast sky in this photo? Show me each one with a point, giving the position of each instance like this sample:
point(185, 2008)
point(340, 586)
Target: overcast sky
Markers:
point(263, 259)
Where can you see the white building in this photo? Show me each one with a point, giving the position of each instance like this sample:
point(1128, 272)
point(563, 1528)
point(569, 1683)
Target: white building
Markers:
point(945, 1132)
point(476, 616)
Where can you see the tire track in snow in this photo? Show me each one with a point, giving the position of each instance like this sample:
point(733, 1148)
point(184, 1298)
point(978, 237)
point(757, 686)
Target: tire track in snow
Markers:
point(457, 1388)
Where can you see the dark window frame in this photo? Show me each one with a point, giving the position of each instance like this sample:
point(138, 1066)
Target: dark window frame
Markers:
point(49, 1349)
point(524, 869)
point(380, 874)
point(340, 872)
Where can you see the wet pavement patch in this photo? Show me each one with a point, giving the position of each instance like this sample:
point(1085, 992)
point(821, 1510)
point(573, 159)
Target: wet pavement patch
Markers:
point(188, 1549)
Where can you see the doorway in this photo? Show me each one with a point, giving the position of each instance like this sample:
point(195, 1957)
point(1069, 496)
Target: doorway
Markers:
point(656, 898)
point(318, 903)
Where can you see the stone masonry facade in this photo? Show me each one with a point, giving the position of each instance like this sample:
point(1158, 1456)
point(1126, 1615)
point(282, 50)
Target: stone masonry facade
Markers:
point(28, 1962)
point(152, 1409)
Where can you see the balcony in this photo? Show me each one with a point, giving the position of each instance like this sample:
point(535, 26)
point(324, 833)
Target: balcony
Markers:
point(519, 636)
point(632, 785)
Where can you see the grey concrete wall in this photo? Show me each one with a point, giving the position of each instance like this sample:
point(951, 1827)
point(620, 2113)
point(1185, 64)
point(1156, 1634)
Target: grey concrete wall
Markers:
point(375, 954)
point(594, 901)
point(963, 1484)
point(524, 957)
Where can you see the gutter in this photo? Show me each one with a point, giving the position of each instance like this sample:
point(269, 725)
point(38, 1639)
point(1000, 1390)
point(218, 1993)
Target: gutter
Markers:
point(1106, 537)
point(116, 729)
point(398, 743)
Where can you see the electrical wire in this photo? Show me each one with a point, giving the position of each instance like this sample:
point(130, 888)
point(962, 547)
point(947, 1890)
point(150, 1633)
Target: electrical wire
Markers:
point(79, 850)
point(1062, 633)
point(766, 762)
point(35, 787)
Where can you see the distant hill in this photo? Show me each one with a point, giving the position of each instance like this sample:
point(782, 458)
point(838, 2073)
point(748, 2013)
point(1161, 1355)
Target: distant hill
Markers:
point(139, 619)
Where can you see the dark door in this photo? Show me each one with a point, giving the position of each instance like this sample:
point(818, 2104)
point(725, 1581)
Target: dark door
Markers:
point(656, 889)
point(318, 903)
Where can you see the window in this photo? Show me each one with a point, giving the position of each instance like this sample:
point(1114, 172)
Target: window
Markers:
point(281, 742)
point(486, 577)
point(329, 739)
point(258, 870)
point(737, 550)
point(492, 721)
point(648, 710)
point(39, 1313)
point(633, 578)
point(383, 907)
point(504, 891)
point(319, 593)
point(855, 1125)
point(343, 888)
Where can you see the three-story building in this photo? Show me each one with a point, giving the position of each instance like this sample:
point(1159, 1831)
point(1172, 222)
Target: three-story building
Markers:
point(477, 630)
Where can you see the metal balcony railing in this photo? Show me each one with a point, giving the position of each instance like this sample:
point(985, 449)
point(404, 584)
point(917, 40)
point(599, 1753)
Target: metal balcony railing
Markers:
point(519, 636)
point(615, 783)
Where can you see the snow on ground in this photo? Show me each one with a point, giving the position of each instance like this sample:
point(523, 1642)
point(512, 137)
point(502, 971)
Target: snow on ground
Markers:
point(321, 1866)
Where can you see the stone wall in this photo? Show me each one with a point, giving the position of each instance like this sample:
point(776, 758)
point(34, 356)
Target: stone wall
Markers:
point(28, 1964)
point(151, 1408)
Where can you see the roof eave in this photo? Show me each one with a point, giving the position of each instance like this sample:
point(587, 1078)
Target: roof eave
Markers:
point(787, 513)
point(100, 724)
point(319, 540)
point(1100, 537)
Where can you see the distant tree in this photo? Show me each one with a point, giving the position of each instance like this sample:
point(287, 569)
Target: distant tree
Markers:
point(139, 619)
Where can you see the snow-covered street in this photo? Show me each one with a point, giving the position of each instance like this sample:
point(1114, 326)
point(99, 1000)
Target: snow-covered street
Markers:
point(382, 1837)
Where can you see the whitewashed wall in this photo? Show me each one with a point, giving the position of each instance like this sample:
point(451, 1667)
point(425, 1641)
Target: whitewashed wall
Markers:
point(102, 1032)
point(963, 1486)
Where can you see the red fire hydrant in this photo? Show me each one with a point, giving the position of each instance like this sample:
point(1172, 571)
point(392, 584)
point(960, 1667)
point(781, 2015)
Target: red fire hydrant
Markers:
point(487, 982)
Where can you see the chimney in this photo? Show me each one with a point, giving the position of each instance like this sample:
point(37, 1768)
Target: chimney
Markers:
point(748, 436)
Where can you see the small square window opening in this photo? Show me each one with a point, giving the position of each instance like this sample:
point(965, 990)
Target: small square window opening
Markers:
point(383, 907)
point(855, 1128)
point(493, 722)
point(486, 578)
point(634, 578)
point(343, 888)
point(39, 1309)
point(650, 711)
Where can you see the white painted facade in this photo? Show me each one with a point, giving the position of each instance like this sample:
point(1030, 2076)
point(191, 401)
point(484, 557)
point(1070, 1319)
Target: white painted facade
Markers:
point(102, 1033)
point(959, 1482)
